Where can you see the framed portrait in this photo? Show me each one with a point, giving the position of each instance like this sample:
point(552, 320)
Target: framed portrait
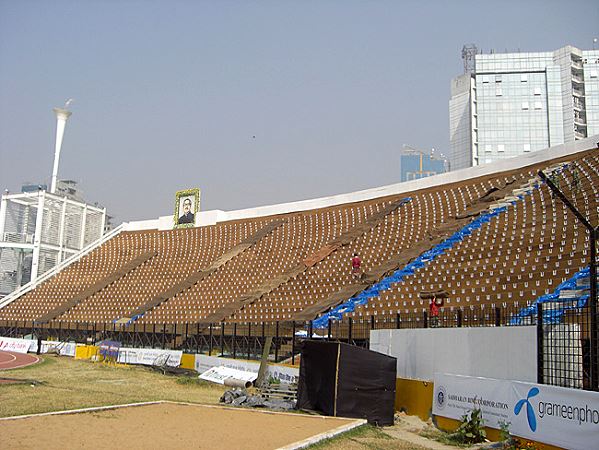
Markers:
point(187, 205)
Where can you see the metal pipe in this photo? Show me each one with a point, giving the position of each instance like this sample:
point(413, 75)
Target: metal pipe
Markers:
point(540, 350)
point(234, 382)
point(234, 349)
point(293, 343)
point(277, 344)
point(593, 311)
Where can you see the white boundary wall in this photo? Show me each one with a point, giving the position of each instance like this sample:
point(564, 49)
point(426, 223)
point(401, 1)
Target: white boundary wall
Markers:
point(205, 218)
point(493, 352)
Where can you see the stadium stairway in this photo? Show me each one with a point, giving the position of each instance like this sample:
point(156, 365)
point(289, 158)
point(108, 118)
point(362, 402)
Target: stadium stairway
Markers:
point(501, 199)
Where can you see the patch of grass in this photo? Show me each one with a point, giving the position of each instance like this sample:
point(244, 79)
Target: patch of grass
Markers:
point(72, 384)
point(193, 381)
point(362, 432)
point(444, 438)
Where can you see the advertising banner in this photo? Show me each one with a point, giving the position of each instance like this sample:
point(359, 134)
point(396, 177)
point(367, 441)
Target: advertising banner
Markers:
point(15, 345)
point(150, 356)
point(220, 374)
point(283, 373)
point(109, 350)
point(559, 416)
point(61, 348)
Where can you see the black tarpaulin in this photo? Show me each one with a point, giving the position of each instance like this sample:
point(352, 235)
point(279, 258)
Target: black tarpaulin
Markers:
point(348, 381)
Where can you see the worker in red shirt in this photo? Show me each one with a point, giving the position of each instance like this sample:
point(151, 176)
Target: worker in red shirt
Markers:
point(356, 266)
point(435, 304)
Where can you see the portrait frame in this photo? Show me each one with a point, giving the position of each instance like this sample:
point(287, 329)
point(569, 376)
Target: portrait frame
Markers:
point(192, 195)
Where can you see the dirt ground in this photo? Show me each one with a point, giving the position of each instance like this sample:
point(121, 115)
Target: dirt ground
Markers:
point(165, 425)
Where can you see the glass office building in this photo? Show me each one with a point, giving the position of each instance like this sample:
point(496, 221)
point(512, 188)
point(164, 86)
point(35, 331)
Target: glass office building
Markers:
point(514, 103)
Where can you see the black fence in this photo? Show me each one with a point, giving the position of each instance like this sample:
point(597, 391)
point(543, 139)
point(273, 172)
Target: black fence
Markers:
point(563, 348)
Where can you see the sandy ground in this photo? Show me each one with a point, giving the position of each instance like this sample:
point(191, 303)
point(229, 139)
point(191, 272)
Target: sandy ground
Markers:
point(164, 426)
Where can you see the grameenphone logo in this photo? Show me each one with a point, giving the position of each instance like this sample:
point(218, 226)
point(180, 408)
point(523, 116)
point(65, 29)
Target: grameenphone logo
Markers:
point(530, 412)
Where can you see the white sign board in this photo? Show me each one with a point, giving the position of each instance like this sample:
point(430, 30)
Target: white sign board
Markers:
point(559, 416)
point(500, 352)
point(283, 373)
point(62, 348)
point(15, 345)
point(150, 356)
point(220, 374)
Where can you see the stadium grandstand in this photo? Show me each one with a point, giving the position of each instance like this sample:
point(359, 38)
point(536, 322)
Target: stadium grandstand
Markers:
point(495, 242)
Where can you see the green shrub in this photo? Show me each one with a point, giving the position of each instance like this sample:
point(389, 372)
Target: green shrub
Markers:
point(471, 430)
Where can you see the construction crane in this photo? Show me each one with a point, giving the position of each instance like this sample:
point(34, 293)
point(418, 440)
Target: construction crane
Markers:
point(409, 150)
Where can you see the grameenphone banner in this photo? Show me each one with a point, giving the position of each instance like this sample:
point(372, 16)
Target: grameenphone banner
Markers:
point(564, 417)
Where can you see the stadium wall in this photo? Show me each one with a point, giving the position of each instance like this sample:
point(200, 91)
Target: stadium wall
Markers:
point(495, 352)
point(205, 218)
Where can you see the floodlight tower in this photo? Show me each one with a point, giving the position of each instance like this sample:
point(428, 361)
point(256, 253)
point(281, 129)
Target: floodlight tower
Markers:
point(62, 114)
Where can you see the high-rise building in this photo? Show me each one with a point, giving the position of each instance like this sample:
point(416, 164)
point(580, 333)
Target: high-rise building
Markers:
point(508, 104)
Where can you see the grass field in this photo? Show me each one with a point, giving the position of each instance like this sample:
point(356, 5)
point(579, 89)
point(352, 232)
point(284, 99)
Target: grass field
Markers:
point(70, 384)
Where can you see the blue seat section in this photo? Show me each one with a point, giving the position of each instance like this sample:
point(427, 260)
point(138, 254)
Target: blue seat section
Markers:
point(556, 314)
point(397, 277)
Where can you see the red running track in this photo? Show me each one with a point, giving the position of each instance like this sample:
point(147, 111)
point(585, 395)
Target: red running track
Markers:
point(14, 360)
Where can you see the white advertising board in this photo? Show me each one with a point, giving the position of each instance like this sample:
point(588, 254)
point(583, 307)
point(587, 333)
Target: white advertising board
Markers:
point(62, 348)
point(283, 373)
point(15, 345)
point(220, 374)
point(30, 345)
point(564, 417)
point(150, 356)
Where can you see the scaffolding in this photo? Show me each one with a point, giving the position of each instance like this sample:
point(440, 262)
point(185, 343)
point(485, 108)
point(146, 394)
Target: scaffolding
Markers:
point(38, 231)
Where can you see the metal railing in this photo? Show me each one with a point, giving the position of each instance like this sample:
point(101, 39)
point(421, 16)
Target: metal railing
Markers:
point(564, 354)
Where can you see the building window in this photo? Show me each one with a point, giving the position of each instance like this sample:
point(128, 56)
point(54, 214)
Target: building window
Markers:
point(485, 78)
point(524, 105)
point(524, 77)
point(489, 148)
point(526, 147)
point(501, 148)
point(498, 92)
point(593, 73)
point(538, 105)
point(497, 78)
point(537, 91)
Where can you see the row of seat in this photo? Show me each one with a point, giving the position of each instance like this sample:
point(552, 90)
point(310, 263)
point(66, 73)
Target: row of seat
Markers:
point(520, 255)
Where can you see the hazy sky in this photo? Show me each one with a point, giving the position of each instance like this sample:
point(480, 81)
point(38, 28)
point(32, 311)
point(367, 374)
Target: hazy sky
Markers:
point(170, 94)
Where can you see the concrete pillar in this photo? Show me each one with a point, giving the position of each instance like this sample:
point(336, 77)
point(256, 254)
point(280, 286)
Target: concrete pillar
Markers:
point(3, 208)
point(102, 222)
point(37, 238)
point(83, 223)
point(61, 121)
point(63, 216)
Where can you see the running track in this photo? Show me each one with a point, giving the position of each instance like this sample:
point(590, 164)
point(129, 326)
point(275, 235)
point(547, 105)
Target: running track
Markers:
point(13, 360)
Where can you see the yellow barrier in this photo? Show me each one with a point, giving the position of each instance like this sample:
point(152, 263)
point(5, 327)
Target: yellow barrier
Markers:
point(83, 351)
point(414, 397)
point(188, 361)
